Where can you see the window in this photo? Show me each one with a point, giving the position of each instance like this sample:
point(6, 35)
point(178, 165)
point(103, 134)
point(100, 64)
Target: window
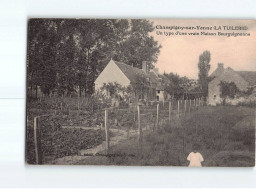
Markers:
point(158, 91)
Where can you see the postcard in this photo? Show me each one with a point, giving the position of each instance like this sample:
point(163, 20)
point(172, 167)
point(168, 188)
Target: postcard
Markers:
point(141, 92)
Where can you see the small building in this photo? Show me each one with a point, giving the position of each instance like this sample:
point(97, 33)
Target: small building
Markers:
point(123, 74)
point(243, 80)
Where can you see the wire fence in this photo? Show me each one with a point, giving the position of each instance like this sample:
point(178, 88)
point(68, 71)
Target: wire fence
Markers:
point(62, 130)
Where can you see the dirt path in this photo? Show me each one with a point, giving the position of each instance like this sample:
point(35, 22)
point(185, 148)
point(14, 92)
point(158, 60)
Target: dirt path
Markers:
point(119, 135)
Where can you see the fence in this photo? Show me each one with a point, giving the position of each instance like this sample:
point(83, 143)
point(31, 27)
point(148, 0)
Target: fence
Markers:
point(136, 118)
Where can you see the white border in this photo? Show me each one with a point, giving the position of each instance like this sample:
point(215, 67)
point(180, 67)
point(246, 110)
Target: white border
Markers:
point(13, 23)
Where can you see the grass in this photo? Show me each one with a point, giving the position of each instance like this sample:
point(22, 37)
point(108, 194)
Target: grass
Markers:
point(225, 136)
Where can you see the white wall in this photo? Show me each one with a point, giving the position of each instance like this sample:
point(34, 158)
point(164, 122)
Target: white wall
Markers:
point(110, 74)
point(228, 76)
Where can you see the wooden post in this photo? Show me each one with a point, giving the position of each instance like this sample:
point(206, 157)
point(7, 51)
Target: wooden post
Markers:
point(56, 106)
point(139, 127)
point(157, 116)
point(189, 105)
point(106, 129)
point(134, 116)
point(61, 106)
point(178, 108)
point(183, 147)
point(185, 107)
point(170, 111)
point(35, 139)
point(128, 132)
point(37, 142)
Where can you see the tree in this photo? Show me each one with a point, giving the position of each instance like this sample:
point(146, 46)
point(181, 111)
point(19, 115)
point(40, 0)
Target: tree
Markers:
point(67, 55)
point(204, 67)
point(140, 86)
point(228, 89)
point(178, 86)
point(139, 46)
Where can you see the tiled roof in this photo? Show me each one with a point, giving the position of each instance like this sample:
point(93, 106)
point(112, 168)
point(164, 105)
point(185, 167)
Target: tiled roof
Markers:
point(249, 76)
point(129, 71)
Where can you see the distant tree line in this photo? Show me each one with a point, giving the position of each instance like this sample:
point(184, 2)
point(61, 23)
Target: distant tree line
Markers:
point(185, 88)
point(182, 87)
point(67, 55)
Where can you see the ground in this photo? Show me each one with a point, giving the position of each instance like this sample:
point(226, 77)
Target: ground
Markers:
point(225, 136)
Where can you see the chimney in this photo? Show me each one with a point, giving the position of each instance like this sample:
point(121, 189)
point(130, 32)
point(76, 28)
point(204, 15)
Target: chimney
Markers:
point(145, 66)
point(221, 65)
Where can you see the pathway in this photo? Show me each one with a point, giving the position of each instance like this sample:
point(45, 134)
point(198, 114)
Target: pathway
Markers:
point(119, 135)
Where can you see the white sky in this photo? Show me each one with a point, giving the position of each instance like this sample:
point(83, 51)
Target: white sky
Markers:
point(180, 54)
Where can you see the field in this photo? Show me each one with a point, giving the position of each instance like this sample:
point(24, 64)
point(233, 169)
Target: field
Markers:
point(225, 137)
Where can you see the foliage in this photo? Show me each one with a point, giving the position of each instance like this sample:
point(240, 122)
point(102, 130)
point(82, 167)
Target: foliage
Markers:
point(116, 91)
point(137, 89)
point(228, 89)
point(179, 86)
point(66, 55)
point(213, 129)
point(204, 67)
point(57, 142)
point(140, 86)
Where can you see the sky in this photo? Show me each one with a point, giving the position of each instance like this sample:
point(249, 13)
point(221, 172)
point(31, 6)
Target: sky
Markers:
point(180, 53)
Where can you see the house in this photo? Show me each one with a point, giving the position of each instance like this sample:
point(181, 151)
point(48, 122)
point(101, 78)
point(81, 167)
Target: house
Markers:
point(124, 75)
point(243, 80)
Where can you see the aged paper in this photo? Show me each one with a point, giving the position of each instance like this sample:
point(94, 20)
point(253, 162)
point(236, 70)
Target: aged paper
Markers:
point(156, 92)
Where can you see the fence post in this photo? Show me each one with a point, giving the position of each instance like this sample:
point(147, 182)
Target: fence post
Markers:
point(139, 127)
point(178, 108)
point(37, 141)
point(183, 144)
point(189, 105)
point(157, 116)
point(134, 115)
point(185, 107)
point(106, 129)
point(56, 106)
point(170, 111)
point(61, 106)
